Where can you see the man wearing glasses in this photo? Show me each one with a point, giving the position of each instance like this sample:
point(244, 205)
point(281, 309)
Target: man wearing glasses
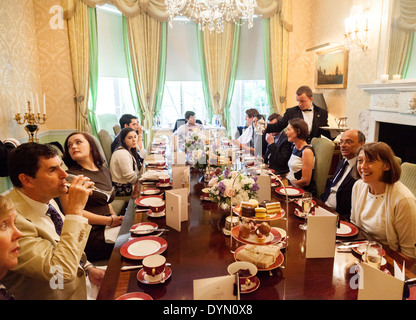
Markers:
point(338, 189)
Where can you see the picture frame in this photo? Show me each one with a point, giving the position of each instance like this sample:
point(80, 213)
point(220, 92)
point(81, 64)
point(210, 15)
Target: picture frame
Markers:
point(332, 68)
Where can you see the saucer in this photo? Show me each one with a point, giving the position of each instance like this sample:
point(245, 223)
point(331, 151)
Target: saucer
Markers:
point(253, 286)
point(164, 185)
point(144, 278)
point(152, 214)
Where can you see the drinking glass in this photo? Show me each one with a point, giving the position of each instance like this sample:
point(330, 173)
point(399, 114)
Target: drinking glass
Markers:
point(373, 254)
point(108, 194)
point(306, 201)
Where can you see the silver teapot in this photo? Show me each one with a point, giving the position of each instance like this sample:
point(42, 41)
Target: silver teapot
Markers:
point(341, 122)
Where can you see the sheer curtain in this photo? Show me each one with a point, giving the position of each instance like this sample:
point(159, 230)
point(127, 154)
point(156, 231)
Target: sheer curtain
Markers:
point(92, 13)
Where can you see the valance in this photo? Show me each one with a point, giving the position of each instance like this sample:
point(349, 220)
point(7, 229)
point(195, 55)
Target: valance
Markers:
point(157, 8)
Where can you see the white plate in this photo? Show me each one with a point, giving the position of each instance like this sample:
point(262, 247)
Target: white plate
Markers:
point(143, 248)
point(149, 192)
point(343, 229)
point(152, 201)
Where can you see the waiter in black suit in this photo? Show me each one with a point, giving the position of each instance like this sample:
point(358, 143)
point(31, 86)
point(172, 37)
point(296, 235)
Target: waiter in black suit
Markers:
point(313, 115)
point(339, 188)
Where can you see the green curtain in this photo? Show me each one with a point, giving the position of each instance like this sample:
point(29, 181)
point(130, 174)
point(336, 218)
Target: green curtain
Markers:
point(92, 102)
point(233, 75)
point(162, 68)
point(266, 41)
point(205, 90)
point(409, 55)
point(132, 81)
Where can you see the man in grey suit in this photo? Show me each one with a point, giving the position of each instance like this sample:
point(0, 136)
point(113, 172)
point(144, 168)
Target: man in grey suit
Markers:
point(51, 261)
point(313, 115)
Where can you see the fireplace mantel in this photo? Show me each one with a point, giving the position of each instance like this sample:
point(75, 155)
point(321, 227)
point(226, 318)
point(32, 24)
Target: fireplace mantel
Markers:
point(391, 102)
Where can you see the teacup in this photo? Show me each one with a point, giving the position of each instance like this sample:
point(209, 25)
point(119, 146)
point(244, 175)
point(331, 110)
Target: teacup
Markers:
point(161, 163)
point(247, 271)
point(164, 178)
point(272, 180)
point(157, 206)
point(154, 267)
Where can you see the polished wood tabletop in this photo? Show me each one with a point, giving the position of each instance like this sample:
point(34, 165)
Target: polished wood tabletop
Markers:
point(201, 250)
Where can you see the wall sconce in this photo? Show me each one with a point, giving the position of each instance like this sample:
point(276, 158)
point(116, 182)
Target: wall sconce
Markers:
point(356, 29)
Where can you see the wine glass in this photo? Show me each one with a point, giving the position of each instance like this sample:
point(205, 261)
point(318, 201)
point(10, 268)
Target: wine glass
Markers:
point(306, 207)
point(373, 254)
point(108, 194)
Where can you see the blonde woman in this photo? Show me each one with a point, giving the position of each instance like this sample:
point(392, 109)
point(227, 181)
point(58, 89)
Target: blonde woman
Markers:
point(9, 247)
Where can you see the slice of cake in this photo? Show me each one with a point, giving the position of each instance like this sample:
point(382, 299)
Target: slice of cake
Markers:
point(273, 208)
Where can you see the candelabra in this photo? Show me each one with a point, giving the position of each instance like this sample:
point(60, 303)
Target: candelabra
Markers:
point(33, 120)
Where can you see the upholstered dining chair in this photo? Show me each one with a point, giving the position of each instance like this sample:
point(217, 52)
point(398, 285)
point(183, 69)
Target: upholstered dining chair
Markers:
point(116, 129)
point(105, 140)
point(324, 151)
point(408, 176)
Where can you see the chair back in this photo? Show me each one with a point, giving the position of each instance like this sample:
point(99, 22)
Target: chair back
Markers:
point(408, 176)
point(107, 121)
point(105, 141)
point(116, 129)
point(324, 151)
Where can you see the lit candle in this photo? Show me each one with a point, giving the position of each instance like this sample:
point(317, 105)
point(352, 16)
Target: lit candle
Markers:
point(384, 77)
point(44, 104)
point(397, 77)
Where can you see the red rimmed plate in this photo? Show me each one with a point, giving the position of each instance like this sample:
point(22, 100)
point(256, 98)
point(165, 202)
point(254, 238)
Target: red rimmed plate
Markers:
point(147, 201)
point(362, 247)
point(237, 211)
point(298, 202)
point(291, 191)
point(346, 229)
point(253, 286)
point(135, 296)
point(150, 191)
point(164, 185)
point(140, 248)
point(277, 263)
point(143, 278)
point(273, 237)
point(144, 228)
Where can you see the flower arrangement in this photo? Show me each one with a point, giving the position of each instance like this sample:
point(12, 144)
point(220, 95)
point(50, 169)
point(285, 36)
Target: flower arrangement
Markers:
point(199, 158)
point(221, 188)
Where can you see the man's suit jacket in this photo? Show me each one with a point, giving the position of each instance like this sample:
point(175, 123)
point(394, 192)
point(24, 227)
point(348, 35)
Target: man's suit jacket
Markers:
point(320, 119)
point(278, 154)
point(40, 252)
point(344, 192)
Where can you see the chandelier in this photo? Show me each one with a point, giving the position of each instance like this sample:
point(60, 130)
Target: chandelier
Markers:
point(211, 14)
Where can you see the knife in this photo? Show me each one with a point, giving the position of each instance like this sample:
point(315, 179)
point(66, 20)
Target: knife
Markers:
point(148, 230)
point(350, 246)
point(125, 268)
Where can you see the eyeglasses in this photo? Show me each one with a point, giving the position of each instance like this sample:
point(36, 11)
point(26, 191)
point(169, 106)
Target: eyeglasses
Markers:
point(347, 142)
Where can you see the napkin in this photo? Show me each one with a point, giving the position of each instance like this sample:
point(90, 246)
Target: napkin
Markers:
point(110, 234)
point(321, 234)
point(217, 288)
point(153, 174)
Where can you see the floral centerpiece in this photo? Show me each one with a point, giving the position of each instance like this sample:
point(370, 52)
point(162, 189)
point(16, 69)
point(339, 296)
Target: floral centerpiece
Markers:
point(222, 189)
point(197, 149)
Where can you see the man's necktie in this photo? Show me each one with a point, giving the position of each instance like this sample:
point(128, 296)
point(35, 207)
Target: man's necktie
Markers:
point(338, 176)
point(56, 218)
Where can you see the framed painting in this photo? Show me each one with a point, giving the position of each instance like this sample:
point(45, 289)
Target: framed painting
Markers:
point(332, 68)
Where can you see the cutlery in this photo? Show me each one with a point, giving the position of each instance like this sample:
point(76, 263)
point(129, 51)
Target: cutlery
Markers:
point(125, 268)
point(350, 246)
point(148, 230)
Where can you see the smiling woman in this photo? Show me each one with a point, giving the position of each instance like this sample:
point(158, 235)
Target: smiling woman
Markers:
point(381, 204)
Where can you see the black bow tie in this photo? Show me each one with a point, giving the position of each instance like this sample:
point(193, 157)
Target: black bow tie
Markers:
point(307, 110)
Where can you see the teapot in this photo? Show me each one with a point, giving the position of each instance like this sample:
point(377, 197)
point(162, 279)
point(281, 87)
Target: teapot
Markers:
point(342, 122)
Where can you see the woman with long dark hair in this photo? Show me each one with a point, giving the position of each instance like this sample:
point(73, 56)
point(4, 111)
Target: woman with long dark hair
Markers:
point(82, 156)
point(126, 163)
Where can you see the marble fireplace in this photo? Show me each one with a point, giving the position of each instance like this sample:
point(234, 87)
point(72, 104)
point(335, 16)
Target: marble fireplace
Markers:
point(391, 116)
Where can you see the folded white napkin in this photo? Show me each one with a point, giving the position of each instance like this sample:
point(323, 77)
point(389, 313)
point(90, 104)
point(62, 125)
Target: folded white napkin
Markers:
point(153, 174)
point(110, 234)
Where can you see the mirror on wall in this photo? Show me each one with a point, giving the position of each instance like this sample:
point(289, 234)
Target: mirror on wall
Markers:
point(402, 46)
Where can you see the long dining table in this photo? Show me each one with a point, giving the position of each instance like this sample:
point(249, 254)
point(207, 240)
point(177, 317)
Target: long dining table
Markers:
point(201, 250)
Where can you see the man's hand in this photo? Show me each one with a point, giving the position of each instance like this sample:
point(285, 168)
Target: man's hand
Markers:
point(78, 193)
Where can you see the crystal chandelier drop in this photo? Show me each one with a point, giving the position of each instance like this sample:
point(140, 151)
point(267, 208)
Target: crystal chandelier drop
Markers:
point(211, 14)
